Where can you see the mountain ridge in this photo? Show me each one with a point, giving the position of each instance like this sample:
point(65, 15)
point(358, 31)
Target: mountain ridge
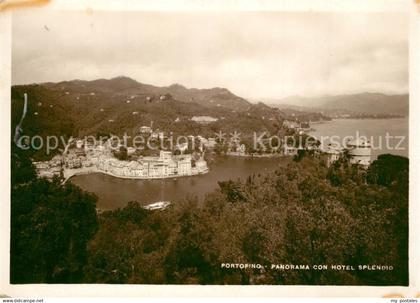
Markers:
point(367, 103)
point(101, 107)
point(210, 97)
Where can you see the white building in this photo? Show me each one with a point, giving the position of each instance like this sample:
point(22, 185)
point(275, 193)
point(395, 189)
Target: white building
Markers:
point(290, 150)
point(182, 147)
point(210, 143)
point(201, 166)
point(165, 156)
point(184, 165)
point(204, 119)
point(290, 124)
point(145, 130)
point(241, 149)
point(79, 143)
point(131, 150)
point(333, 153)
point(359, 151)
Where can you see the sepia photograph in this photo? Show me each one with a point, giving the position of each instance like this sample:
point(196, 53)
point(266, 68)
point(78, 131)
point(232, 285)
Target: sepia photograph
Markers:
point(209, 147)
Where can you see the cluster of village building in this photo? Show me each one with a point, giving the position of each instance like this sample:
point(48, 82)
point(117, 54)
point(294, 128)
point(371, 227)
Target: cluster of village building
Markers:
point(83, 158)
point(359, 149)
point(298, 127)
point(163, 166)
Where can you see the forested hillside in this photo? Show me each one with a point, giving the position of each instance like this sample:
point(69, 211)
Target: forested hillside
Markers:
point(303, 213)
point(122, 105)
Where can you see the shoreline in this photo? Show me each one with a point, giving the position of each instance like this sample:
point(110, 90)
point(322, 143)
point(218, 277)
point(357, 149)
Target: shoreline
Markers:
point(255, 155)
point(367, 118)
point(96, 171)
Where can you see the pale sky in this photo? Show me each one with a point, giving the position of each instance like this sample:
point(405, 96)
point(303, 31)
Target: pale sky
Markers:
point(255, 55)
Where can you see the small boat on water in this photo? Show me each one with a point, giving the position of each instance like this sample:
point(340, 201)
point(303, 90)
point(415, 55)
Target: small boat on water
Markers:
point(162, 204)
point(158, 205)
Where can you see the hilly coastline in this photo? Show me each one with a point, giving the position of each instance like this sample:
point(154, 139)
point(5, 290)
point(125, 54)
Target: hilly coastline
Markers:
point(362, 105)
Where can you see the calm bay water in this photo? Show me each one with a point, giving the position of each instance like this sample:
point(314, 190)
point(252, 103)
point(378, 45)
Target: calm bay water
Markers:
point(374, 129)
point(114, 192)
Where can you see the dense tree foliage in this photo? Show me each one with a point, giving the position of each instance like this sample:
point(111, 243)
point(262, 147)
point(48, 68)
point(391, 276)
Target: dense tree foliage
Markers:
point(297, 215)
point(303, 213)
point(122, 106)
point(51, 225)
point(121, 154)
point(387, 170)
